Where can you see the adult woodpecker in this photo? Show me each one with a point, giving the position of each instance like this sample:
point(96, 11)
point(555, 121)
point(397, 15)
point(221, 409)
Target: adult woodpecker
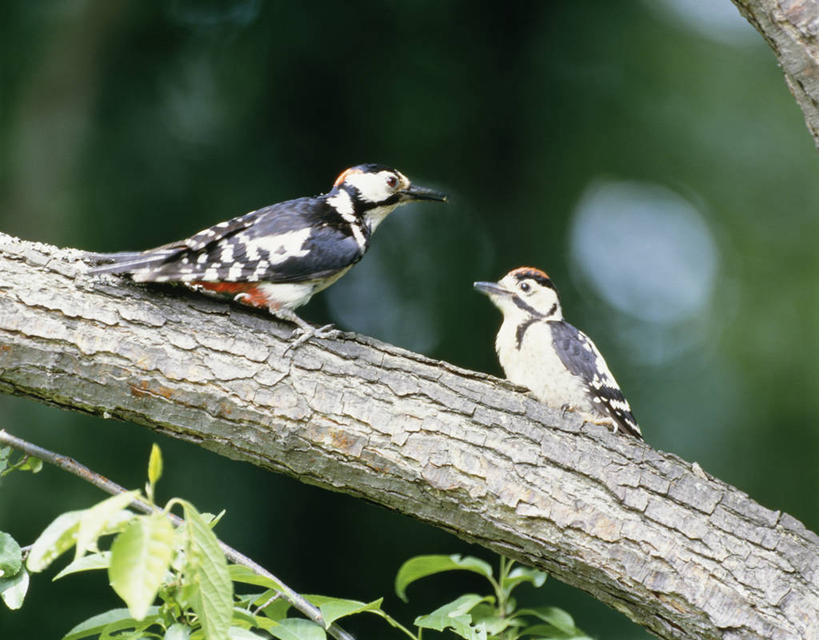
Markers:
point(538, 349)
point(278, 257)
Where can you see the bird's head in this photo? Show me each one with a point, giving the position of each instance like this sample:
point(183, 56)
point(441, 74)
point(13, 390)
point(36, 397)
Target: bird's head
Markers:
point(524, 293)
point(374, 190)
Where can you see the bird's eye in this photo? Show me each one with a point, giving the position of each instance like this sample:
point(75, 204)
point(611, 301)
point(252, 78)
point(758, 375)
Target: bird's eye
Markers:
point(392, 182)
point(525, 286)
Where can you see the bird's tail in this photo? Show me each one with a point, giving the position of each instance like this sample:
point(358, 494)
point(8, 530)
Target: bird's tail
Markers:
point(128, 261)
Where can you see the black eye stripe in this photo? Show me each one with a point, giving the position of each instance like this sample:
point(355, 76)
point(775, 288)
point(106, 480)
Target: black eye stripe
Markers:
point(520, 304)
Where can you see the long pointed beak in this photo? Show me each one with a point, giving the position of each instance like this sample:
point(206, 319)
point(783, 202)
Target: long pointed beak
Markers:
point(422, 193)
point(491, 289)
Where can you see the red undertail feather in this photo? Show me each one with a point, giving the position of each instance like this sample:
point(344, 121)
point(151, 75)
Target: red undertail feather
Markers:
point(247, 293)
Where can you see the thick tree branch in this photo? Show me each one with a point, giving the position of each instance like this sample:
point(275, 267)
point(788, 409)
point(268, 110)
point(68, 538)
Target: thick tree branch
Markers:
point(791, 28)
point(683, 554)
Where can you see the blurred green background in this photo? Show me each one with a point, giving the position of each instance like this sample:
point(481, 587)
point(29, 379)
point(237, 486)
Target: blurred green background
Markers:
point(646, 153)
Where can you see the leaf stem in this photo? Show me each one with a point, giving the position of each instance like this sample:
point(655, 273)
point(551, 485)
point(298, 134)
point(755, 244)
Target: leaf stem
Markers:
point(398, 625)
point(101, 482)
point(500, 589)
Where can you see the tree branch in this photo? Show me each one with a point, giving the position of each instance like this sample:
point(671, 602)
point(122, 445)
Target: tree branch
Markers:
point(680, 553)
point(70, 465)
point(791, 28)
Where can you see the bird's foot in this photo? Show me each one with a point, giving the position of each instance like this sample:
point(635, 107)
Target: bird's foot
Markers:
point(600, 421)
point(303, 331)
point(301, 335)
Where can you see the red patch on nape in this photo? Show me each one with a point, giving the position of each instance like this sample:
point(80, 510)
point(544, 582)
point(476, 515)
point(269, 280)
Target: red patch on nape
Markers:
point(343, 175)
point(247, 293)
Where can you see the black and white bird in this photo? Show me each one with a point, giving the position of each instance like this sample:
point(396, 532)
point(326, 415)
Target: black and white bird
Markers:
point(538, 349)
point(278, 257)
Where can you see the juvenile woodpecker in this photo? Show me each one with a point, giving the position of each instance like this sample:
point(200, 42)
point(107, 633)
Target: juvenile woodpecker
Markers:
point(278, 257)
point(538, 349)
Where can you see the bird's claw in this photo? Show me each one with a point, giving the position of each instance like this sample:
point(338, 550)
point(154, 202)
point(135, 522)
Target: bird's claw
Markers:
point(301, 335)
point(327, 331)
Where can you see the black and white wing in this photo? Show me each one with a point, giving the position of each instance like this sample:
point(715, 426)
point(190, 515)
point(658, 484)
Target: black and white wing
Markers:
point(132, 261)
point(582, 358)
point(292, 241)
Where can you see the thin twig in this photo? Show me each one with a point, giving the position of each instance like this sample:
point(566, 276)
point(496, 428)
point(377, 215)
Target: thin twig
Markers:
point(72, 466)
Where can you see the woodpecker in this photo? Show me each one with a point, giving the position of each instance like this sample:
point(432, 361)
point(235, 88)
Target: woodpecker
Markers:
point(278, 257)
point(538, 349)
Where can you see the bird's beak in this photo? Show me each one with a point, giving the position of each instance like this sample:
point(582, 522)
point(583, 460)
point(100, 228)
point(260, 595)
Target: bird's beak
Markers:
point(491, 289)
point(421, 193)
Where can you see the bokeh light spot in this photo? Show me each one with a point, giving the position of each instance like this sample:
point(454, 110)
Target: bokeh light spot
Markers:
point(645, 250)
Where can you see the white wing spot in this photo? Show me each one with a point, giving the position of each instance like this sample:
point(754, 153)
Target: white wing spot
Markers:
point(226, 254)
point(235, 272)
point(280, 247)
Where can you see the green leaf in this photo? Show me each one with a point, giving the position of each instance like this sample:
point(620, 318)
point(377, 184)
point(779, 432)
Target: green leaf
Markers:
point(57, 538)
point(275, 609)
point(245, 575)
point(213, 519)
point(422, 566)
point(13, 590)
point(24, 463)
point(11, 558)
point(86, 563)
point(549, 632)
point(31, 463)
point(100, 518)
point(519, 575)
point(245, 600)
point(207, 570)
point(298, 629)
point(238, 633)
point(264, 622)
point(455, 615)
point(154, 465)
point(140, 557)
point(334, 608)
point(486, 615)
point(177, 631)
point(242, 616)
point(5, 454)
point(558, 618)
point(109, 621)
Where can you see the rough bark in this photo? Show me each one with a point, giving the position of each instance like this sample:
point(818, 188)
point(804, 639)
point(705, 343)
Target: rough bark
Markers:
point(681, 553)
point(791, 28)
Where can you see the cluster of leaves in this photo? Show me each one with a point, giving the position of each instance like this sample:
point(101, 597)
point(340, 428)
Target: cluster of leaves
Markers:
point(184, 567)
point(488, 617)
point(13, 575)
point(23, 463)
point(177, 584)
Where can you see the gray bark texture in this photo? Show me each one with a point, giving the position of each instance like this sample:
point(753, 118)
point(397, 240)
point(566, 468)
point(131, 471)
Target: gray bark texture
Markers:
point(679, 552)
point(791, 28)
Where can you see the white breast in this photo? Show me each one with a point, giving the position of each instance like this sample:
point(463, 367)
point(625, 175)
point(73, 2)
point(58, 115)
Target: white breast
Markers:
point(537, 366)
point(292, 295)
point(289, 295)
